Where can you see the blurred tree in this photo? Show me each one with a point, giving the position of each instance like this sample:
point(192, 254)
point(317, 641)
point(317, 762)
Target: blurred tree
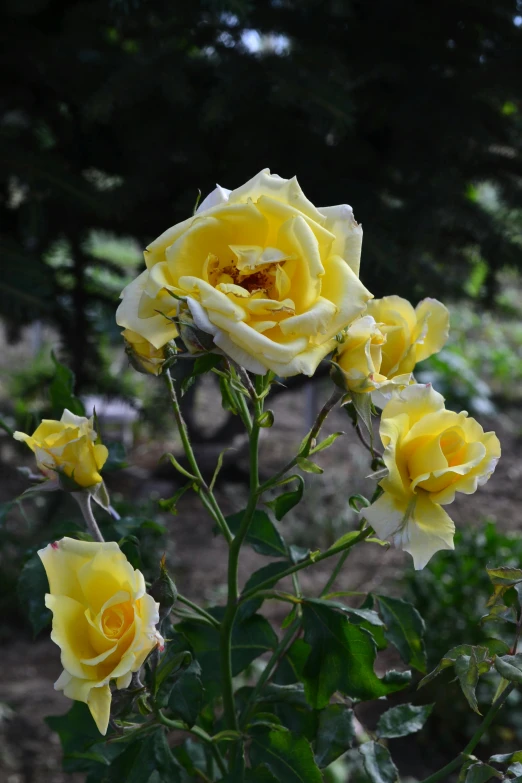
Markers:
point(112, 114)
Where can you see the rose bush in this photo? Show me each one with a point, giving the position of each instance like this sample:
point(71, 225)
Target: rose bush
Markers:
point(272, 278)
point(430, 453)
point(67, 446)
point(103, 620)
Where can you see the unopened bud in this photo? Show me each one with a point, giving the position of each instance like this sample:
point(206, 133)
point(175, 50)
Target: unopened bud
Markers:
point(164, 591)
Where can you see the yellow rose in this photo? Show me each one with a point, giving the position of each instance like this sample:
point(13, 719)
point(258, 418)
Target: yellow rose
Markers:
point(103, 620)
point(67, 446)
point(272, 278)
point(411, 334)
point(360, 358)
point(430, 454)
point(142, 354)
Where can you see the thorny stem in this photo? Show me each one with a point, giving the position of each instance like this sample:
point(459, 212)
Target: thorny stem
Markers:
point(330, 403)
point(197, 732)
point(233, 560)
point(84, 501)
point(207, 497)
point(443, 773)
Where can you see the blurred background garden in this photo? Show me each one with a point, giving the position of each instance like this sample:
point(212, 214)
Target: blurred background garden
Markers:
point(114, 114)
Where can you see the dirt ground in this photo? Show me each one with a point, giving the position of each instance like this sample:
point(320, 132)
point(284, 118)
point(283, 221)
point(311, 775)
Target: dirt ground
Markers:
point(29, 752)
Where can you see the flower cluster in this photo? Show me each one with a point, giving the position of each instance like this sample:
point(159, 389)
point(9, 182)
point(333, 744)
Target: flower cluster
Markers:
point(272, 282)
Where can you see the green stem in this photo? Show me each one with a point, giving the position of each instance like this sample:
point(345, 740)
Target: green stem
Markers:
point(267, 672)
point(330, 403)
point(197, 732)
point(198, 610)
point(335, 573)
point(84, 501)
point(233, 560)
point(474, 741)
point(209, 501)
point(311, 560)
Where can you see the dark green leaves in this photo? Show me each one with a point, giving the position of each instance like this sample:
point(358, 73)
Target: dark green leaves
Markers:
point(481, 773)
point(405, 630)
point(340, 658)
point(335, 734)
point(468, 669)
point(378, 763)
point(250, 638)
point(187, 695)
point(82, 744)
point(144, 758)
point(201, 365)
point(263, 536)
point(285, 755)
point(61, 391)
point(510, 667)
point(282, 504)
point(403, 720)
point(32, 587)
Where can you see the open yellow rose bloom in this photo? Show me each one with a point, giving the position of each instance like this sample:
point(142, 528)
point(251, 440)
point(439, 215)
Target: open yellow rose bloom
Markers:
point(67, 446)
point(272, 278)
point(103, 620)
point(380, 350)
point(430, 453)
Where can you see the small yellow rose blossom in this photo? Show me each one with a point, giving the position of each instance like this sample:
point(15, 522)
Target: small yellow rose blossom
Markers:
point(103, 620)
point(360, 358)
point(430, 453)
point(271, 277)
point(143, 354)
point(67, 446)
point(411, 334)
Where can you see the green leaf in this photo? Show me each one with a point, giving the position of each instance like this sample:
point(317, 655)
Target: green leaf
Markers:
point(219, 465)
point(175, 659)
point(481, 773)
point(271, 571)
point(251, 638)
point(335, 733)
point(326, 443)
point(287, 756)
point(378, 762)
point(32, 587)
point(227, 397)
point(142, 758)
point(262, 536)
point(363, 406)
point(510, 667)
point(450, 658)
point(358, 502)
point(170, 504)
point(282, 504)
point(367, 615)
point(505, 575)
point(403, 720)
point(187, 695)
point(341, 658)
point(175, 464)
point(405, 630)
point(308, 466)
point(468, 669)
point(61, 391)
point(84, 749)
point(507, 758)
